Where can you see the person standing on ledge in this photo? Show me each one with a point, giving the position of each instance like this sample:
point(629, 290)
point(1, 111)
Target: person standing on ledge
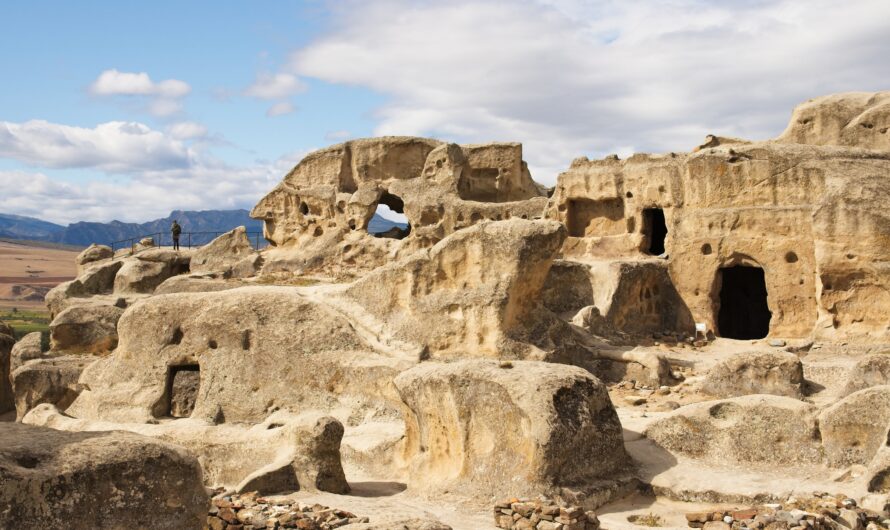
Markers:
point(175, 229)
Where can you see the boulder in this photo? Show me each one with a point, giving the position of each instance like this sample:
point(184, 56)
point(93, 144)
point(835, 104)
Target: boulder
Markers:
point(283, 453)
point(96, 278)
point(772, 372)
point(52, 380)
point(855, 119)
point(7, 343)
point(227, 255)
point(854, 428)
point(104, 480)
point(480, 425)
point(757, 429)
point(871, 370)
point(257, 348)
point(92, 254)
point(85, 329)
point(145, 271)
point(475, 293)
point(30, 347)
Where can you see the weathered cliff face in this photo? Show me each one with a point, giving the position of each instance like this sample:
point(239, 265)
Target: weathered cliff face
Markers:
point(318, 215)
point(792, 234)
point(852, 119)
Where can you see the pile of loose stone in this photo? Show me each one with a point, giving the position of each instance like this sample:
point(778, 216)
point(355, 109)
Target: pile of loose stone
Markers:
point(249, 511)
point(542, 514)
point(818, 512)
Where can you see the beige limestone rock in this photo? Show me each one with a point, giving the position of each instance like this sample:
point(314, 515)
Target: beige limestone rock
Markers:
point(50, 380)
point(280, 451)
point(85, 329)
point(92, 254)
point(258, 349)
point(399, 524)
point(96, 278)
point(230, 255)
point(86, 481)
point(853, 119)
point(854, 428)
point(770, 372)
point(757, 429)
point(29, 347)
point(317, 217)
point(871, 370)
point(482, 426)
point(148, 269)
point(473, 294)
point(195, 283)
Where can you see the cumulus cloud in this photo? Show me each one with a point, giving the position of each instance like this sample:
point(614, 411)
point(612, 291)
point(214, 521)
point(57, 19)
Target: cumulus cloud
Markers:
point(162, 98)
point(280, 109)
point(275, 86)
point(187, 130)
point(573, 77)
point(337, 136)
point(115, 83)
point(113, 146)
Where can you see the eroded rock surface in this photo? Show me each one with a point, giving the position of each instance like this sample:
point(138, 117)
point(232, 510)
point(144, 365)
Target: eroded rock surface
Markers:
point(55, 479)
point(776, 373)
point(480, 424)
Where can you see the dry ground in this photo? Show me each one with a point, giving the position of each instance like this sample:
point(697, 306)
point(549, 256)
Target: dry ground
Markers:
point(29, 270)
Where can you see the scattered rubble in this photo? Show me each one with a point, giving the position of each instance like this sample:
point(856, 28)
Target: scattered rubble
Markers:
point(542, 514)
point(249, 511)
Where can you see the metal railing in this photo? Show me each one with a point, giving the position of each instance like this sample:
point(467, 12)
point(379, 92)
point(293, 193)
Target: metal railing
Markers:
point(186, 240)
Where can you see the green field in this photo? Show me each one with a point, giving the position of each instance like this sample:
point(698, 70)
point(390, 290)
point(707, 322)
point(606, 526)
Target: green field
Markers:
point(24, 321)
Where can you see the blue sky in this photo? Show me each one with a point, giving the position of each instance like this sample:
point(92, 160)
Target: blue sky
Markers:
point(127, 110)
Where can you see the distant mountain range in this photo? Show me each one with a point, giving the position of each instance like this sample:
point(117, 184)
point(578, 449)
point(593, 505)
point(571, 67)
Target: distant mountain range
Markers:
point(85, 233)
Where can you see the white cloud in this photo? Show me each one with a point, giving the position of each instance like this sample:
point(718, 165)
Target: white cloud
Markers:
point(280, 109)
point(187, 130)
point(275, 86)
point(573, 77)
point(113, 146)
point(115, 83)
point(162, 99)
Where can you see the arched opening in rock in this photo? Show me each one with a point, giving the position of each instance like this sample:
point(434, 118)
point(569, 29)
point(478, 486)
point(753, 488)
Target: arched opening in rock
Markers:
point(654, 231)
point(744, 313)
point(183, 382)
point(389, 218)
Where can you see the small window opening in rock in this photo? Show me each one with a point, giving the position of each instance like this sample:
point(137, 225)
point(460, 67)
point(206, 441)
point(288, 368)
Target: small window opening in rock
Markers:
point(654, 231)
point(629, 195)
point(744, 312)
point(212, 344)
point(304, 208)
point(389, 219)
point(274, 426)
point(182, 389)
point(790, 257)
point(706, 249)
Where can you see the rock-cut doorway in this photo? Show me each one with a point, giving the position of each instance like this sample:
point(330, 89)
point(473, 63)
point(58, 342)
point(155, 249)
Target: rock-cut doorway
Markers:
point(744, 313)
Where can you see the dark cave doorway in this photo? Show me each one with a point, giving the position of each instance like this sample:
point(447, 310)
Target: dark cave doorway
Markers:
point(183, 383)
point(655, 231)
point(744, 313)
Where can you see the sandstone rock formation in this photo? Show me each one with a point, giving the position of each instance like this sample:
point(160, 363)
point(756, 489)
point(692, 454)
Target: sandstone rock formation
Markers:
point(323, 206)
point(85, 329)
point(92, 254)
point(7, 343)
point(480, 425)
point(54, 479)
point(776, 373)
point(756, 429)
point(149, 269)
point(51, 380)
point(853, 119)
point(229, 255)
point(854, 428)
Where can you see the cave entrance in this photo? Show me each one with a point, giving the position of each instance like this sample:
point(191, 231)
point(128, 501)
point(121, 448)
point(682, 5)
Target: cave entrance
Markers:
point(744, 313)
point(655, 231)
point(389, 218)
point(182, 389)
